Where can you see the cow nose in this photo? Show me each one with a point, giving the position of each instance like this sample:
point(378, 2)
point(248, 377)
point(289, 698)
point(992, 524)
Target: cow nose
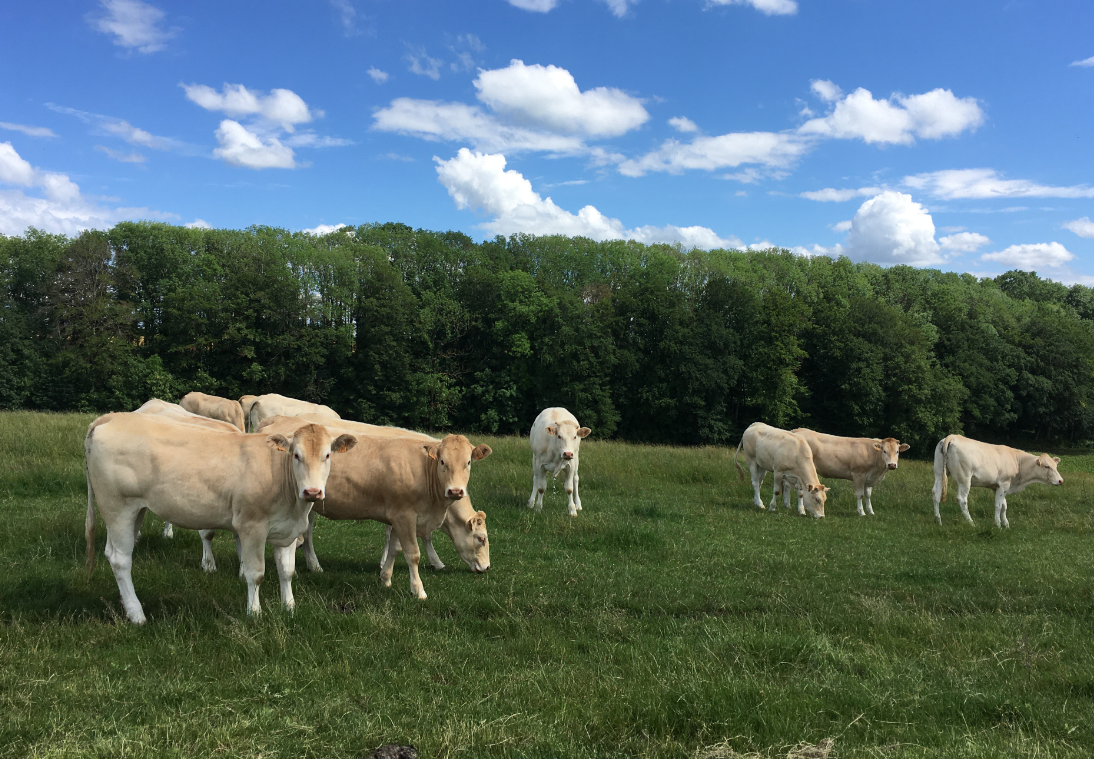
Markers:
point(480, 570)
point(313, 494)
point(568, 455)
point(455, 493)
point(892, 466)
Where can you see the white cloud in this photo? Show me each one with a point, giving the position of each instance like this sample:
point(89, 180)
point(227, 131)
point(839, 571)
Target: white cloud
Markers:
point(323, 229)
point(618, 7)
point(313, 140)
point(134, 25)
point(683, 124)
point(480, 181)
point(891, 228)
point(198, 224)
point(29, 131)
point(422, 64)
point(768, 7)
point(1086, 62)
point(117, 155)
point(1031, 257)
point(963, 242)
point(842, 226)
point(954, 184)
point(834, 251)
point(898, 120)
point(831, 195)
point(281, 107)
point(110, 125)
point(348, 16)
point(537, 6)
point(827, 91)
point(241, 147)
point(1083, 227)
point(548, 98)
point(63, 210)
point(710, 153)
point(377, 75)
point(472, 42)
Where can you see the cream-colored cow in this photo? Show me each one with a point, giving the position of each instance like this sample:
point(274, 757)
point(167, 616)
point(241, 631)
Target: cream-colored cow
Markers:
point(788, 457)
point(245, 402)
point(404, 482)
point(272, 404)
point(556, 445)
point(261, 487)
point(1000, 468)
point(465, 526)
point(864, 461)
point(215, 407)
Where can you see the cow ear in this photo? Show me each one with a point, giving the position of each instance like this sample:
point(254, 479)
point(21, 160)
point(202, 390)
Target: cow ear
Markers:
point(551, 430)
point(809, 488)
point(584, 432)
point(430, 450)
point(903, 447)
point(343, 443)
point(877, 446)
point(278, 441)
point(481, 517)
point(471, 524)
point(480, 451)
point(1056, 459)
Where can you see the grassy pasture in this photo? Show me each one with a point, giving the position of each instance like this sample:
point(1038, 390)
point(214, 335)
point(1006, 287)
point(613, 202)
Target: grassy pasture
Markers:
point(669, 619)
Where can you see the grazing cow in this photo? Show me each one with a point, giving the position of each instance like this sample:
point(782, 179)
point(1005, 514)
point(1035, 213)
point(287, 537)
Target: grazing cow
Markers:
point(265, 406)
point(177, 413)
point(214, 407)
point(261, 487)
point(770, 449)
point(405, 482)
point(465, 526)
point(1000, 468)
point(245, 402)
point(863, 461)
point(556, 444)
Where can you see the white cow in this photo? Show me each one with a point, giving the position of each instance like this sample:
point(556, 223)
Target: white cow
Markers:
point(556, 444)
point(265, 406)
point(260, 487)
point(1000, 468)
point(862, 460)
point(788, 457)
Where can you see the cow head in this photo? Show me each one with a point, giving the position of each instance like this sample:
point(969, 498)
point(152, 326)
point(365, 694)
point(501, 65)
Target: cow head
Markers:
point(1047, 471)
point(890, 449)
point(311, 447)
point(566, 438)
point(454, 455)
point(814, 498)
point(469, 536)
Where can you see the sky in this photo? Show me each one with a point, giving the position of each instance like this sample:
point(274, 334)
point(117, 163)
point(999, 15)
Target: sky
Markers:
point(952, 135)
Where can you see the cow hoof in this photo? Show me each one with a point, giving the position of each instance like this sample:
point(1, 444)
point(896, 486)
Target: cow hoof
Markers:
point(209, 566)
point(314, 567)
point(169, 531)
point(938, 521)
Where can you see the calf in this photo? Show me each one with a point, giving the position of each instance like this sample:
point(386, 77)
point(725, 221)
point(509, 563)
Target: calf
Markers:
point(863, 461)
point(265, 406)
point(770, 449)
point(261, 487)
point(999, 468)
point(556, 445)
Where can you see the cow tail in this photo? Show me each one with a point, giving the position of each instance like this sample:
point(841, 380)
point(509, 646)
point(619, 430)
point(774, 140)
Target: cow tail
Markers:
point(740, 472)
point(940, 461)
point(90, 523)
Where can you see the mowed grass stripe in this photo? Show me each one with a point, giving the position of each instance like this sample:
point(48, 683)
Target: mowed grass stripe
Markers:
point(669, 616)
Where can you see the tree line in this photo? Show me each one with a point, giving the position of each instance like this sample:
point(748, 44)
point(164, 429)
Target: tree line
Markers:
point(647, 343)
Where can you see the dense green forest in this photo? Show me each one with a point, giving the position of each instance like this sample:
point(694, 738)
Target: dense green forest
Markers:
point(393, 325)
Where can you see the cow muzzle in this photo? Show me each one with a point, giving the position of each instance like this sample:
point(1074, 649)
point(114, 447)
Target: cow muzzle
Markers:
point(313, 494)
point(892, 466)
point(455, 493)
point(568, 455)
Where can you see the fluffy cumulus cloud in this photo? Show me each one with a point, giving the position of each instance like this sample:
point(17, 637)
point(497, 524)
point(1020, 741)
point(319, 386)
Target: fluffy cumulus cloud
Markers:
point(768, 7)
point(244, 148)
point(1031, 257)
point(29, 131)
point(891, 228)
point(58, 205)
point(963, 242)
point(379, 76)
point(133, 24)
point(898, 120)
point(683, 124)
point(198, 224)
point(323, 229)
point(281, 107)
point(1083, 227)
point(954, 184)
point(769, 149)
point(480, 182)
point(1086, 62)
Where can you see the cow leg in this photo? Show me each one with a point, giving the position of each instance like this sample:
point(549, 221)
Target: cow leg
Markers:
point(1001, 507)
point(138, 525)
point(577, 496)
point(253, 546)
point(1006, 522)
point(869, 506)
point(539, 486)
point(570, 489)
point(778, 484)
point(239, 554)
point(963, 499)
point(285, 558)
point(309, 545)
point(405, 529)
point(168, 530)
point(387, 564)
point(788, 496)
point(757, 480)
point(120, 539)
point(431, 554)
point(936, 491)
point(801, 502)
point(860, 492)
point(208, 563)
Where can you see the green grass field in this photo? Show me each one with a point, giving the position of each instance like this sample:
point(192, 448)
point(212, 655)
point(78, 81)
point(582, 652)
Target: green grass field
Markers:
point(669, 619)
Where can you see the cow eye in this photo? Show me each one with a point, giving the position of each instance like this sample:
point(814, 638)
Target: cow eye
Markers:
point(442, 462)
point(328, 455)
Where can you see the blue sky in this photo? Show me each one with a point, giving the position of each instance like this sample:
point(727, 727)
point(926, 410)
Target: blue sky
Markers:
point(944, 134)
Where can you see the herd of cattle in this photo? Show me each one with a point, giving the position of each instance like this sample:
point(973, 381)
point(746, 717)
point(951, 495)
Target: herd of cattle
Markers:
point(196, 466)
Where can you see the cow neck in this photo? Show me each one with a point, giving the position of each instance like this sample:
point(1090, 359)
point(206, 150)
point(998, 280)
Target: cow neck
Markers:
point(433, 481)
point(1027, 466)
point(286, 481)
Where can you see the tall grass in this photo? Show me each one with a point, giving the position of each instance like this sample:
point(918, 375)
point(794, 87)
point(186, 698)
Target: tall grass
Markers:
point(669, 617)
